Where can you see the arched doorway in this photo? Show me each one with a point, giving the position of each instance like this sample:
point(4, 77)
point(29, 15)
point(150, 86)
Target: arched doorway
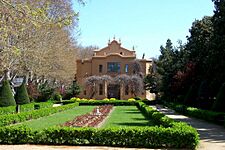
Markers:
point(113, 91)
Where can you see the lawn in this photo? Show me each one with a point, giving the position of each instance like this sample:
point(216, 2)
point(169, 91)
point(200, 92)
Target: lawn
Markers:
point(58, 118)
point(127, 116)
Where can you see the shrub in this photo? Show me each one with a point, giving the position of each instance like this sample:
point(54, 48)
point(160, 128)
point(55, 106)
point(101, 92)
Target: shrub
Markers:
point(211, 116)
point(23, 116)
point(157, 117)
point(6, 95)
point(56, 97)
point(112, 99)
point(131, 100)
point(72, 91)
point(24, 107)
point(137, 98)
point(45, 92)
point(73, 99)
point(21, 96)
point(105, 99)
point(151, 137)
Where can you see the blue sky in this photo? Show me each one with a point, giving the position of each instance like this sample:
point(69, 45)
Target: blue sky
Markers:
point(144, 24)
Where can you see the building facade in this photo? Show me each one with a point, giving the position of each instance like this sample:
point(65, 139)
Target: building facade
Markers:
point(111, 61)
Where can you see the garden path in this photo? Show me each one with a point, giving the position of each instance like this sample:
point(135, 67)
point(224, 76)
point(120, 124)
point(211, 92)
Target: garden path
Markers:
point(212, 136)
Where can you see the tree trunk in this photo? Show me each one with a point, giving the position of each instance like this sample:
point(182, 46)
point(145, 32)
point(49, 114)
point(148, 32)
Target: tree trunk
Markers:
point(6, 74)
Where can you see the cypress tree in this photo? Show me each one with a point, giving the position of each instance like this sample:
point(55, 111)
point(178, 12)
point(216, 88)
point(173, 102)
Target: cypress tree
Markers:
point(6, 96)
point(22, 95)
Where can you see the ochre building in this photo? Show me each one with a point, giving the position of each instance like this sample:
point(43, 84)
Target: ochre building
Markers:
point(112, 61)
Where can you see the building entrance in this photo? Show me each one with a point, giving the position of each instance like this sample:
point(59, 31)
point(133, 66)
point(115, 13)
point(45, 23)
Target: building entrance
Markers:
point(113, 91)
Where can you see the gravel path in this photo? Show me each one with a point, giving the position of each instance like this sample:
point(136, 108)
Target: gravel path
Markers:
point(212, 136)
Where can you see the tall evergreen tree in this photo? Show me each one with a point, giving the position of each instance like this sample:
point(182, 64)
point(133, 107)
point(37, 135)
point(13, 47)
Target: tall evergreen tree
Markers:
point(6, 95)
point(21, 96)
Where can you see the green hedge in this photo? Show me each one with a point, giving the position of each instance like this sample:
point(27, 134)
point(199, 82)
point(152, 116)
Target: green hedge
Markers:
point(157, 117)
point(6, 95)
point(149, 137)
point(23, 116)
point(211, 116)
point(24, 108)
point(162, 120)
point(22, 96)
point(104, 102)
point(168, 133)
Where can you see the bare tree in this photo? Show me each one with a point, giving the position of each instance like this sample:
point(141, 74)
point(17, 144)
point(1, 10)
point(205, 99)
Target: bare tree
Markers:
point(136, 85)
point(86, 52)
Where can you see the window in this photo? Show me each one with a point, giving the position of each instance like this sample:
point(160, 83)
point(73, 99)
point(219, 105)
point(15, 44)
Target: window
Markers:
point(100, 89)
point(126, 90)
point(100, 68)
point(126, 68)
point(113, 67)
point(84, 92)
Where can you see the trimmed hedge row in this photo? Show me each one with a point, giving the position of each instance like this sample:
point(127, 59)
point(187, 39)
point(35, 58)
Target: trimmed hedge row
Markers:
point(149, 137)
point(104, 102)
point(211, 116)
point(20, 117)
point(157, 117)
point(160, 119)
point(24, 108)
point(168, 134)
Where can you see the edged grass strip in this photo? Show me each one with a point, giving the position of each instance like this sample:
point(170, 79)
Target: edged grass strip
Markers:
point(126, 116)
point(57, 118)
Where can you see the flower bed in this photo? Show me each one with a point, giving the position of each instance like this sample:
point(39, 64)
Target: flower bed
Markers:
point(92, 119)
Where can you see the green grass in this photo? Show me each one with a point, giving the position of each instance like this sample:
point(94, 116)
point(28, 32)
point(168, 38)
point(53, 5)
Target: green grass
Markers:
point(58, 118)
point(128, 116)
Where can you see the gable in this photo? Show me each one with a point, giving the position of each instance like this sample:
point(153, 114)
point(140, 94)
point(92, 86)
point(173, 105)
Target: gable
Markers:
point(114, 48)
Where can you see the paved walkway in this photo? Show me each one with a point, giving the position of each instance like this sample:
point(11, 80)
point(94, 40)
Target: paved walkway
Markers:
point(212, 137)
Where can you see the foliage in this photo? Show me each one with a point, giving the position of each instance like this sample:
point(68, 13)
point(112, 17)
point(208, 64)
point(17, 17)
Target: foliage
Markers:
point(199, 62)
point(46, 91)
point(131, 100)
point(106, 99)
point(24, 107)
point(155, 137)
point(190, 96)
point(23, 116)
point(12, 109)
point(211, 116)
point(219, 104)
point(21, 96)
point(36, 39)
point(135, 83)
point(180, 135)
point(6, 95)
point(32, 90)
point(56, 97)
point(72, 91)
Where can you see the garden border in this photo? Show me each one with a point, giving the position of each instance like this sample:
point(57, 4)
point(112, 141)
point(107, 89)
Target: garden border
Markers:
point(169, 134)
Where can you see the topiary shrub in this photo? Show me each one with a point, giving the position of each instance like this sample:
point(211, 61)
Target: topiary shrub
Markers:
point(22, 96)
point(6, 96)
point(219, 104)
